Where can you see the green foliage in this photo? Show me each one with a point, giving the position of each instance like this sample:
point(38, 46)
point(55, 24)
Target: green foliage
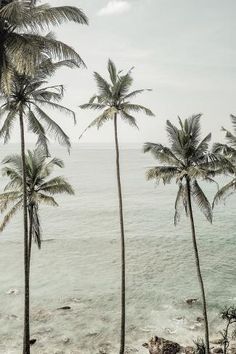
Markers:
point(22, 46)
point(200, 347)
point(114, 98)
point(228, 333)
point(31, 95)
point(229, 152)
point(40, 187)
point(187, 158)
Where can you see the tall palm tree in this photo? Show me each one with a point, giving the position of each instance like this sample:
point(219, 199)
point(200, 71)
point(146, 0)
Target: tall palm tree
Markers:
point(187, 160)
point(229, 151)
point(22, 47)
point(26, 102)
point(113, 99)
point(40, 189)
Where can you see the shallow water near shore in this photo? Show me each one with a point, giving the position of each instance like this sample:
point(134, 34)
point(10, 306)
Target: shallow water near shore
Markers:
point(79, 264)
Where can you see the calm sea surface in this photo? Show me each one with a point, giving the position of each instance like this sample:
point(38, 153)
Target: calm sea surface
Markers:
point(79, 264)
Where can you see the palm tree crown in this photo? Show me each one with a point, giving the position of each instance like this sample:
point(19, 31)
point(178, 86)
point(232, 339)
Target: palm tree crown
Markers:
point(40, 187)
point(188, 157)
point(228, 151)
point(114, 98)
point(30, 95)
point(22, 47)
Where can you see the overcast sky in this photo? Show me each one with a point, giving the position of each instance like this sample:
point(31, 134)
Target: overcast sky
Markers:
point(185, 50)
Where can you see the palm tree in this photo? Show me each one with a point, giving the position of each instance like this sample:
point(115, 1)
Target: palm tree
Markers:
point(26, 102)
point(22, 47)
point(186, 160)
point(229, 151)
point(113, 100)
point(40, 189)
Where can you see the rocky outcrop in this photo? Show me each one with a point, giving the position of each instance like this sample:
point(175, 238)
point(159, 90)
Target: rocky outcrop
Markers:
point(33, 341)
point(157, 345)
point(190, 302)
point(64, 308)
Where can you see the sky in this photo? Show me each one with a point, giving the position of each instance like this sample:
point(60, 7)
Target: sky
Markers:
point(184, 50)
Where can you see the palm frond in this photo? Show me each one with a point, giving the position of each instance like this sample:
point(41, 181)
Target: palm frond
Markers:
point(53, 128)
point(112, 71)
point(5, 131)
point(225, 192)
point(36, 227)
point(7, 218)
point(201, 200)
point(164, 173)
point(57, 106)
point(47, 200)
point(36, 127)
point(203, 145)
point(94, 106)
point(129, 107)
point(230, 137)
point(219, 148)
point(162, 153)
point(57, 185)
point(128, 119)
point(103, 85)
point(135, 93)
point(180, 202)
point(122, 86)
point(98, 122)
point(8, 198)
point(44, 15)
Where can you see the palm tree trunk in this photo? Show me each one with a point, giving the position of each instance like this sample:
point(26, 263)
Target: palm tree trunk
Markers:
point(198, 267)
point(122, 233)
point(26, 340)
point(30, 233)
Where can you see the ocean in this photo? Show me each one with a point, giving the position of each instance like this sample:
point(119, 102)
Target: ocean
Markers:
point(79, 263)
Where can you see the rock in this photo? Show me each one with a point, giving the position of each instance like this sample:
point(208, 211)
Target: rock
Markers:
point(65, 339)
point(13, 292)
point(104, 348)
point(189, 350)
point(218, 350)
point(64, 308)
point(33, 341)
point(199, 319)
point(102, 351)
point(191, 301)
point(158, 345)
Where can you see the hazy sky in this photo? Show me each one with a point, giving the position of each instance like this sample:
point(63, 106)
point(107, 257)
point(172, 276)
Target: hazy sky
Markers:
point(185, 50)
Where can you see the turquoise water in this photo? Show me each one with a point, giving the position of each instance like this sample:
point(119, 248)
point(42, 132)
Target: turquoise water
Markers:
point(79, 264)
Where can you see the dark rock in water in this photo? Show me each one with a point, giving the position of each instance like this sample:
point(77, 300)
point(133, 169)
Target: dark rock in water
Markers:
point(189, 350)
point(191, 301)
point(33, 341)
point(158, 345)
point(199, 319)
point(64, 308)
point(65, 339)
point(218, 350)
